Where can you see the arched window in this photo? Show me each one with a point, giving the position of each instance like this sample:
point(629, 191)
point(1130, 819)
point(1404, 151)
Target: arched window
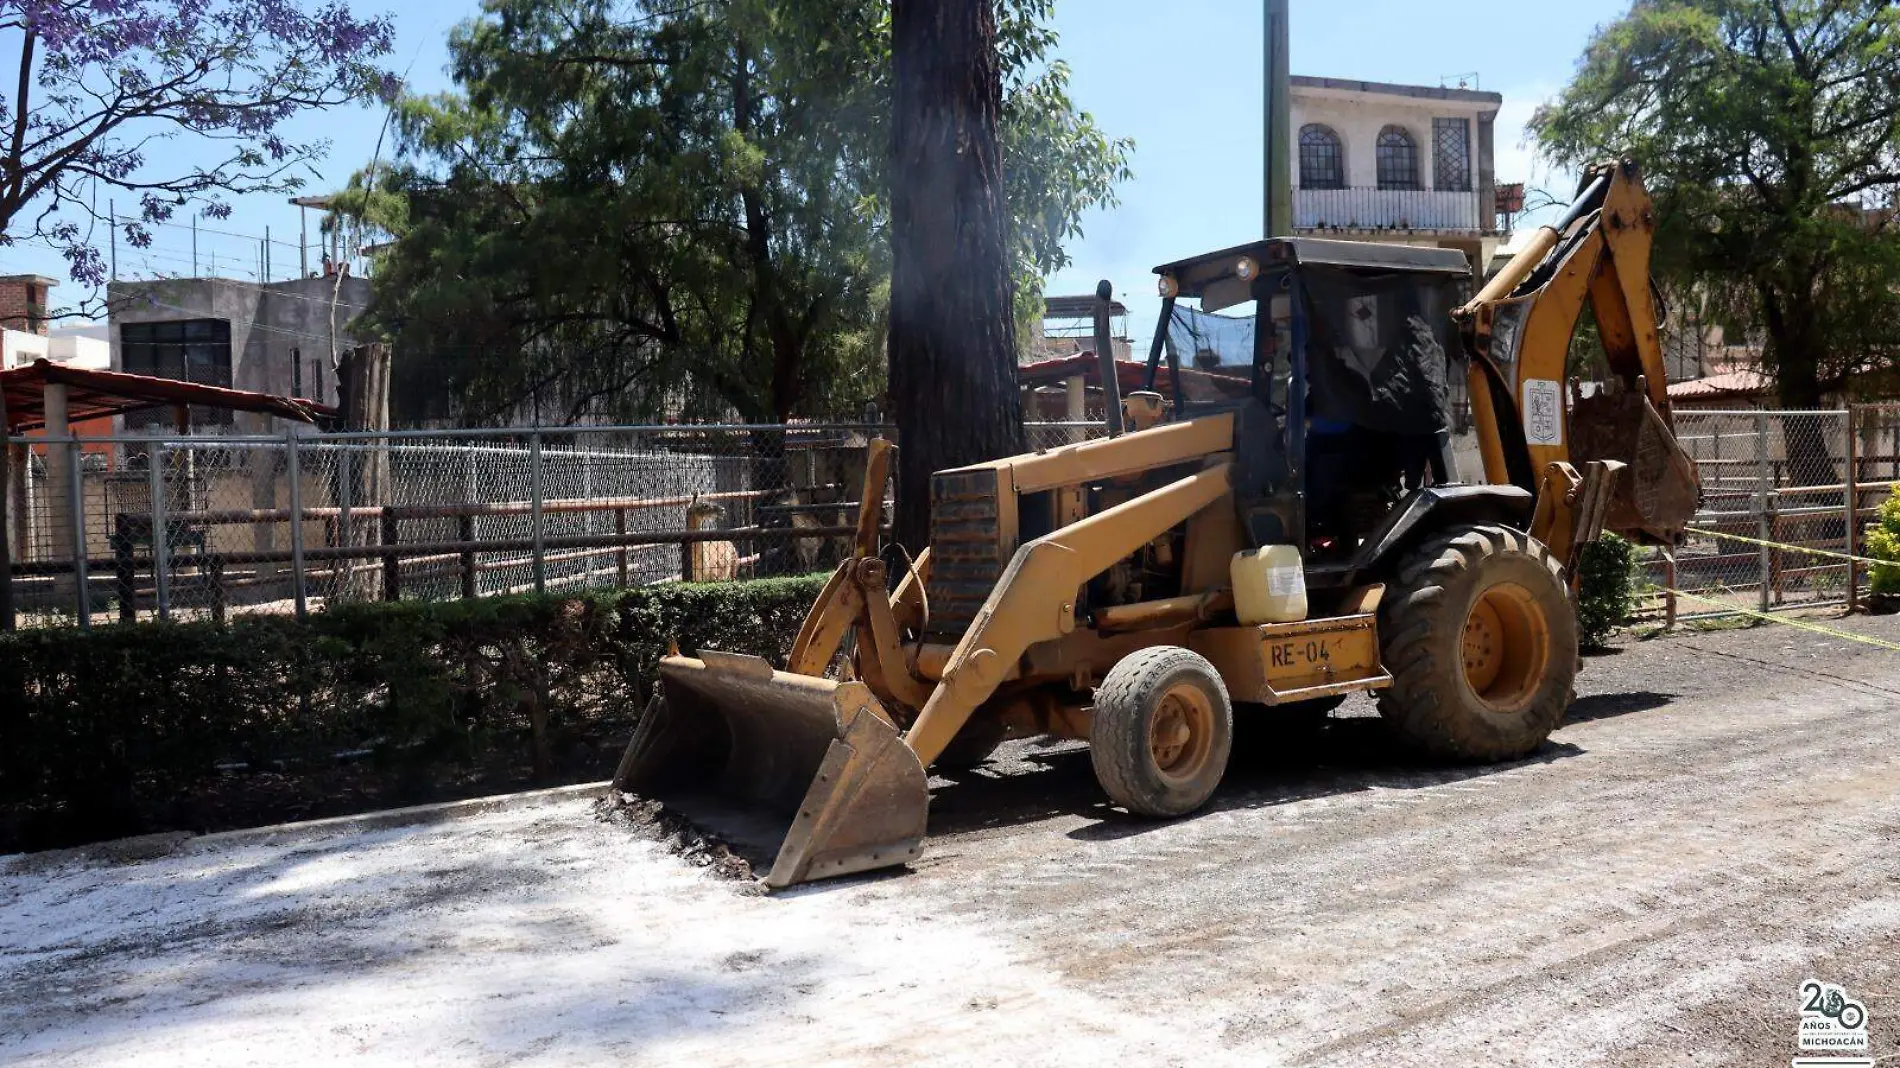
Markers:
point(1322, 165)
point(1398, 159)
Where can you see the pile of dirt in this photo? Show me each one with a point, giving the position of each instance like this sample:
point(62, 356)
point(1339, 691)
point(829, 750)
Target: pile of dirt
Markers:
point(651, 820)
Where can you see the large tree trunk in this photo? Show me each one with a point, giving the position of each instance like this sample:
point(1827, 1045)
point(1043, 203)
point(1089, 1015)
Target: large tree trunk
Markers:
point(952, 333)
point(1797, 360)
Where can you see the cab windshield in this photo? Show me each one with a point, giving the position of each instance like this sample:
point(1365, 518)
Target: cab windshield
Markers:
point(1212, 354)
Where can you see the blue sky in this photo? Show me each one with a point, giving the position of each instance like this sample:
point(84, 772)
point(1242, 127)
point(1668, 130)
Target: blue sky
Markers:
point(1181, 77)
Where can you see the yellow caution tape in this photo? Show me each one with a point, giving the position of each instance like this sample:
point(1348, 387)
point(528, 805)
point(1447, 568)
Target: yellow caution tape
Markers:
point(1870, 561)
point(1799, 624)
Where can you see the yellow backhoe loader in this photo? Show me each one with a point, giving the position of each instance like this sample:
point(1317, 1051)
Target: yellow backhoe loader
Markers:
point(1276, 522)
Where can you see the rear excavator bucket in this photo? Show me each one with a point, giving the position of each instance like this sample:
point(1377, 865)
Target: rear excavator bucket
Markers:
point(805, 769)
point(1662, 490)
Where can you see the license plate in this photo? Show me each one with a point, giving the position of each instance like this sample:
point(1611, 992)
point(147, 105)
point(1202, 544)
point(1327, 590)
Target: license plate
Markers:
point(1306, 654)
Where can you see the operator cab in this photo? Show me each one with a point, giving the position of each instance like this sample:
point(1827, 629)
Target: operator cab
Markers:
point(1333, 355)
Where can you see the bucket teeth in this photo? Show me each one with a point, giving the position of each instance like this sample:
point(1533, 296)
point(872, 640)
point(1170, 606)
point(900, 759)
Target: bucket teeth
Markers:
point(807, 770)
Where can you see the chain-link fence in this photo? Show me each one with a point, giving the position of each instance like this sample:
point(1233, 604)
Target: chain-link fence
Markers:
point(183, 528)
point(1786, 495)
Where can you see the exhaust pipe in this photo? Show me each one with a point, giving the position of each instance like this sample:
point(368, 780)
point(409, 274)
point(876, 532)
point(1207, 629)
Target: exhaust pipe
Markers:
point(1105, 358)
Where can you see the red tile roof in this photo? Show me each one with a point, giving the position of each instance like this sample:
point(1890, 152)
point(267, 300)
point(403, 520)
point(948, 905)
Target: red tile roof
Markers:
point(1742, 383)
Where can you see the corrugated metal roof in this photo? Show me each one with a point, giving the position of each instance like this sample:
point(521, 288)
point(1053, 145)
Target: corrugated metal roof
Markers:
point(93, 393)
point(1129, 374)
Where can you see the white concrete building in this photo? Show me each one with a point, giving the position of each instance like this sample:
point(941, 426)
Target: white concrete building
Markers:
point(28, 334)
point(1410, 164)
point(82, 346)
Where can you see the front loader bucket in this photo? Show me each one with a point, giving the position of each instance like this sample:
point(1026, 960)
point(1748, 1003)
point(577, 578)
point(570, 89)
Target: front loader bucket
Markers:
point(804, 769)
point(1660, 492)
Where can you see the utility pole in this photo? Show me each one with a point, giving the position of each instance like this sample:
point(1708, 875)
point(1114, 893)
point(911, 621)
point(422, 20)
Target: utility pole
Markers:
point(1277, 122)
point(194, 244)
point(112, 216)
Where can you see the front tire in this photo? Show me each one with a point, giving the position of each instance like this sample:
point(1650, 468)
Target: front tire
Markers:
point(1162, 732)
point(1481, 638)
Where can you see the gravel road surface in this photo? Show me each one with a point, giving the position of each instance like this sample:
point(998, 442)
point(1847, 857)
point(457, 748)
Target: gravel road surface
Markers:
point(1719, 820)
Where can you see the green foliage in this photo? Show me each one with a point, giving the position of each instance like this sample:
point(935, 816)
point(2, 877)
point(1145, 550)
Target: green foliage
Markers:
point(629, 206)
point(1883, 543)
point(125, 728)
point(1606, 592)
point(1767, 132)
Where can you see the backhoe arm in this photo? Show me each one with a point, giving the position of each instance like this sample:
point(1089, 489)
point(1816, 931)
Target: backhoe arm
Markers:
point(1517, 332)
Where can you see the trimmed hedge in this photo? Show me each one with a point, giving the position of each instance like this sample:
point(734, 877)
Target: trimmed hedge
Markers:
point(1883, 543)
point(200, 726)
point(1606, 590)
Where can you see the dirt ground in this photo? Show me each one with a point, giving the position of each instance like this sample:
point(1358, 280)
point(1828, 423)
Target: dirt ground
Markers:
point(1719, 820)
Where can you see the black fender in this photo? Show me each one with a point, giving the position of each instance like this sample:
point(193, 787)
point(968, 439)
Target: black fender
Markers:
point(1431, 509)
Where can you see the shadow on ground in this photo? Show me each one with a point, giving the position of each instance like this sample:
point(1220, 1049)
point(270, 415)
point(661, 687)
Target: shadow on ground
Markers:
point(1032, 782)
point(1611, 705)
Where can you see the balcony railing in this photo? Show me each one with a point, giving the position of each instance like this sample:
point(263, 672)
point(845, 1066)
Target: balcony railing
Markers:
point(1384, 209)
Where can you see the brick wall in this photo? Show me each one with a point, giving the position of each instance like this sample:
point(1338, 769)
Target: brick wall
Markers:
point(23, 303)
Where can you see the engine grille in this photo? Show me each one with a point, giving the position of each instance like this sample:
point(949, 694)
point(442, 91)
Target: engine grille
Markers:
point(966, 550)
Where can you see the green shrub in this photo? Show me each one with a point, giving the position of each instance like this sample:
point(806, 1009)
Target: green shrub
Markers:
point(1883, 543)
point(154, 726)
point(1606, 594)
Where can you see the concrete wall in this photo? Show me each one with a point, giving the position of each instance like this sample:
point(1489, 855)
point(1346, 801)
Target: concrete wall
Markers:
point(19, 348)
point(281, 336)
point(81, 348)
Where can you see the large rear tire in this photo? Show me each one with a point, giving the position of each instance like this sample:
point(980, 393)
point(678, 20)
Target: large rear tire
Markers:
point(1162, 732)
point(1480, 635)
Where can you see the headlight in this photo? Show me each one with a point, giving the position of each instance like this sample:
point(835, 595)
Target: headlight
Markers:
point(1168, 286)
point(1246, 269)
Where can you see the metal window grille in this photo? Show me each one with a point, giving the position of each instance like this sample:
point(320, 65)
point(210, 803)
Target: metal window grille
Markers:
point(1397, 159)
point(1451, 154)
point(1322, 165)
point(187, 350)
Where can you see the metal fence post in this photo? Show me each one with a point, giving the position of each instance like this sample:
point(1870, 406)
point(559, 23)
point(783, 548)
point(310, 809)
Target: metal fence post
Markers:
point(293, 468)
point(125, 571)
point(344, 586)
point(465, 530)
point(1852, 534)
point(76, 497)
point(620, 554)
point(535, 480)
point(1763, 484)
point(161, 538)
point(1669, 594)
point(470, 496)
point(392, 560)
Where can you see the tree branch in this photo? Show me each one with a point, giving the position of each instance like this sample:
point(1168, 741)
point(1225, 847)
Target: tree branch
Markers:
point(16, 163)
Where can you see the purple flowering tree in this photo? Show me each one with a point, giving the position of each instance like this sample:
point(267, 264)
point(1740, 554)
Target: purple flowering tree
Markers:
point(100, 83)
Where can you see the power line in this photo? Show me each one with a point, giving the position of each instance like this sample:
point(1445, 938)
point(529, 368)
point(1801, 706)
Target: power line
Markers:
point(271, 288)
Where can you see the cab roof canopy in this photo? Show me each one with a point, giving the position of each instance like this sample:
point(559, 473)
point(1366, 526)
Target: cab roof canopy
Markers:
point(1196, 273)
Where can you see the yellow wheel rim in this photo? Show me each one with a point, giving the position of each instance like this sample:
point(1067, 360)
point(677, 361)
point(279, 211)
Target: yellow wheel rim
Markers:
point(1181, 733)
point(1506, 647)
